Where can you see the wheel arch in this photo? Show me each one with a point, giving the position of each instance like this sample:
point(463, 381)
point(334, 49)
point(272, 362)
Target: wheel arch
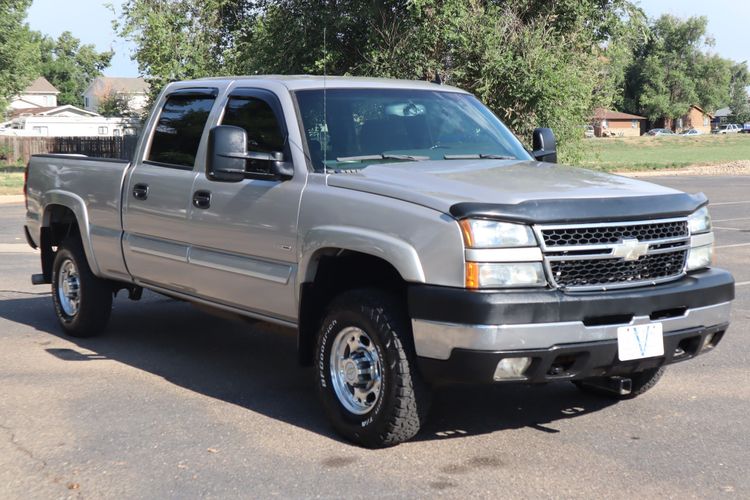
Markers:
point(63, 214)
point(357, 262)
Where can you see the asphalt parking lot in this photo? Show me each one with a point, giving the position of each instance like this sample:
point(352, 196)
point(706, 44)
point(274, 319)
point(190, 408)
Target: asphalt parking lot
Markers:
point(175, 403)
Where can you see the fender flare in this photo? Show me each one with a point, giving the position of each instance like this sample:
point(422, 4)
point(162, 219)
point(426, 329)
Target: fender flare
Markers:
point(77, 205)
point(400, 254)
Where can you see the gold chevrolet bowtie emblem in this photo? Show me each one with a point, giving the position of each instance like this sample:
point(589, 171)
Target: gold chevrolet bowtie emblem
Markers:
point(630, 249)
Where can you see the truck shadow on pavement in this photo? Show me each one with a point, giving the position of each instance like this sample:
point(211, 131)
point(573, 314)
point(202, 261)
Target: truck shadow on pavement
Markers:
point(254, 365)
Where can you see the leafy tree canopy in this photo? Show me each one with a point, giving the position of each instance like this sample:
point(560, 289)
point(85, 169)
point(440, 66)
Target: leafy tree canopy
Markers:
point(18, 53)
point(69, 65)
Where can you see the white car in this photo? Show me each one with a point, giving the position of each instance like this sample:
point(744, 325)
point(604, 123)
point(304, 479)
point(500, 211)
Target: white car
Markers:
point(730, 128)
point(692, 131)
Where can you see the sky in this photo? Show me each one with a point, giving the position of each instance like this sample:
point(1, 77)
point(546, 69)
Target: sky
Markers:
point(90, 21)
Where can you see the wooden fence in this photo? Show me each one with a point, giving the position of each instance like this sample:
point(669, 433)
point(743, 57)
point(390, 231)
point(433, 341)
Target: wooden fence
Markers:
point(17, 150)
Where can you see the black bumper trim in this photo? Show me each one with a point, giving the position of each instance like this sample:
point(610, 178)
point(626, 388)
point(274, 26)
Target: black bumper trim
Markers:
point(461, 306)
point(566, 362)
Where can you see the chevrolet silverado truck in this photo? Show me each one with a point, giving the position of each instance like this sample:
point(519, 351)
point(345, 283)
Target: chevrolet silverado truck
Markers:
point(401, 229)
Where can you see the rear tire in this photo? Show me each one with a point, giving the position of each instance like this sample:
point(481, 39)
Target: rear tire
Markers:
point(82, 301)
point(366, 370)
point(641, 382)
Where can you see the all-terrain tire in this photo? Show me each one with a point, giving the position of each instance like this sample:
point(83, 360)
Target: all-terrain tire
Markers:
point(641, 382)
point(399, 410)
point(88, 313)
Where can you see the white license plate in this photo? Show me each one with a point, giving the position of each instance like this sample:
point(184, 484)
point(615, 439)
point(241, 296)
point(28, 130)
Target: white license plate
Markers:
point(641, 341)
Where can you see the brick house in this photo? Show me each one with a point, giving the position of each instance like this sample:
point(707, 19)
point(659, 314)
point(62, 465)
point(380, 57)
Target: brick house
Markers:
point(614, 123)
point(696, 118)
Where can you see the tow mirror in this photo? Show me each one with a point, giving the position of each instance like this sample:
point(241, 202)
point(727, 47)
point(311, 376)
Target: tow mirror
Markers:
point(545, 145)
point(227, 155)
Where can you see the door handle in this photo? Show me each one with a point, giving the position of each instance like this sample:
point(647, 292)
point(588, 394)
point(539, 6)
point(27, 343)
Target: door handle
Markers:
point(202, 199)
point(140, 191)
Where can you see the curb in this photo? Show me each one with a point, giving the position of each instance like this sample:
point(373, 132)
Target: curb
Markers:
point(11, 199)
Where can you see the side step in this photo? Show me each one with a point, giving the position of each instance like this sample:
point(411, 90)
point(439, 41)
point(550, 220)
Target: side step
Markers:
point(39, 279)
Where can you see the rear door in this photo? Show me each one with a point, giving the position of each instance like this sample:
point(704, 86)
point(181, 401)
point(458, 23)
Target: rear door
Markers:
point(243, 234)
point(158, 193)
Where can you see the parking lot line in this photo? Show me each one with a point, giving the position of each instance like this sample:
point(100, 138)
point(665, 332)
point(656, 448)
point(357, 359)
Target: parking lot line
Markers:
point(734, 245)
point(16, 248)
point(730, 220)
point(729, 203)
point(742, 283)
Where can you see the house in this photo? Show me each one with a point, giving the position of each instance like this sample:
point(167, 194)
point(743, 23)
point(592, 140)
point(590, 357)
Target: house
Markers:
point(135, 90)
point(65, 121)
point(614, 123)
point(40, 94)
point(695, 118)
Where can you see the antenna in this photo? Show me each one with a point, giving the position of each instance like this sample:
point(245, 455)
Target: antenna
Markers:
point(325, 103)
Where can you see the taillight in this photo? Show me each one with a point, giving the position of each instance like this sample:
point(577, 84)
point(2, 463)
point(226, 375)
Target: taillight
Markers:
point(26, 185)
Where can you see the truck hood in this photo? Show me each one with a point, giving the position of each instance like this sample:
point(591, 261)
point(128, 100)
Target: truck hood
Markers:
point(520, 190)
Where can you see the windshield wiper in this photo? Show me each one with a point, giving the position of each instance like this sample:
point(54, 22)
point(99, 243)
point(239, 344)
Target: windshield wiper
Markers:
point(478, 156)
point(344, 159)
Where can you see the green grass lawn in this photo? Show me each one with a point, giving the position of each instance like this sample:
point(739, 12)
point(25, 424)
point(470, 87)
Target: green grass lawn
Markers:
point(653, 153)
point(11, 183)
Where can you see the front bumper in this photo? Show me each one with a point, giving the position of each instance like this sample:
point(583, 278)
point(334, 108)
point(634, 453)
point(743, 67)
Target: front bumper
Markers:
point(461, 335)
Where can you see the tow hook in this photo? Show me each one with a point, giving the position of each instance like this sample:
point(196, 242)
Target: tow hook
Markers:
point(621, 386)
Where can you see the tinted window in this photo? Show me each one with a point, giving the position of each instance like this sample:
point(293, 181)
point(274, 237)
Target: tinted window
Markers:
point(179, 129)
point(259, 121)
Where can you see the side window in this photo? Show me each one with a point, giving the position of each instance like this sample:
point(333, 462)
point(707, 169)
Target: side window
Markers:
point(264, 135)
point(179, 129)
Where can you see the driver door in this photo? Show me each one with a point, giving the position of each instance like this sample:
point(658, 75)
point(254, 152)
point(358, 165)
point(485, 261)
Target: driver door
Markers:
point(243, 235)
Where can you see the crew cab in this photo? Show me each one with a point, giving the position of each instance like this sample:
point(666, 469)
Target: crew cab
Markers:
point(401, 229)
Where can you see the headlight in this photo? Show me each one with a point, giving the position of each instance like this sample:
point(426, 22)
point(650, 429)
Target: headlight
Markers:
point(480, 233)
point(699, 221)
point(701, 251)
point(504, 275)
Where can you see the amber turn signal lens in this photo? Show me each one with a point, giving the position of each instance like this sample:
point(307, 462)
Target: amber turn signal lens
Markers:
point(472, 275)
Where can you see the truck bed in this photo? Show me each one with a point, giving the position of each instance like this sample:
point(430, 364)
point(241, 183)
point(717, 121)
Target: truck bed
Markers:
point(92, 188)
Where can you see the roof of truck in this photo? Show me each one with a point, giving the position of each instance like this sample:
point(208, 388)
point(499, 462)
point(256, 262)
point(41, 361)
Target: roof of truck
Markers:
point(299, 82)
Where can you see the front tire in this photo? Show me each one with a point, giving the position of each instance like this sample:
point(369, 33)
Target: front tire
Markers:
point(82, 301)
point(366, 370)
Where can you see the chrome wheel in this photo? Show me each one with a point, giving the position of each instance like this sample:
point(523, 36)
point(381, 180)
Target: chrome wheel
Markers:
point(356, 370)
point(68, 288)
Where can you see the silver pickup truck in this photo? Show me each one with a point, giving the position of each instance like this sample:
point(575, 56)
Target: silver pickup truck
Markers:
point(399, 227)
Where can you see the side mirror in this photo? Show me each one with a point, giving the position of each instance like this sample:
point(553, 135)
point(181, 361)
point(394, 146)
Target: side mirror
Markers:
point(227, 152)
point(545, 145)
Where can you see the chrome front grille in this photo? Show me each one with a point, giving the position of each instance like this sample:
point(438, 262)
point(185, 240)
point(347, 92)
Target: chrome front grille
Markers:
point(614, 255)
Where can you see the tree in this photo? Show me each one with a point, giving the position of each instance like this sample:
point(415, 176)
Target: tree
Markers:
point(70, 66)
point(738, 99)
point(534, 63)
point(18, 54)
point(114, 104)
point(671, 71)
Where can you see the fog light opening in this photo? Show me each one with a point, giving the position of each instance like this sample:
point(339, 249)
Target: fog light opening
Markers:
point(512, 368)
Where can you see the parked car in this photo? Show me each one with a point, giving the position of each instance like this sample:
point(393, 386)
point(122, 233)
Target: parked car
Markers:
point(399, 227)
point(729, 128)
point(691, 131)
point(588, 131)
point(659, 131)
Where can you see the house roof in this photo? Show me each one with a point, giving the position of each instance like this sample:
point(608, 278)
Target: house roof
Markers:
point(118, 84)
point(41, 86)
point(605, 114)
point(50, 111)
point(723, 112)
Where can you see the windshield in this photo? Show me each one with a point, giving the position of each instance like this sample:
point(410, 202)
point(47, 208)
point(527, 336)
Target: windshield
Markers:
point(366, 126)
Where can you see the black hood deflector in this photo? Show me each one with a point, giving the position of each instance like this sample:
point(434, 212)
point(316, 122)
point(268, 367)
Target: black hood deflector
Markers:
point(626, 208)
